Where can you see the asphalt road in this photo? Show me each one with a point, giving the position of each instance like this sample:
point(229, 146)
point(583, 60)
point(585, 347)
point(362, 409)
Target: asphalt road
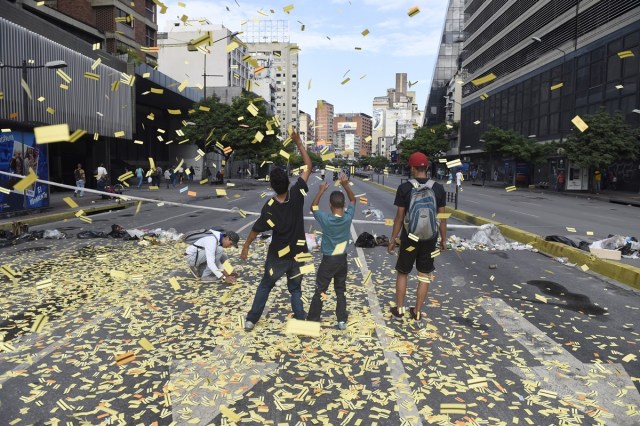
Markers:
point(545, 213)
point(510, 337)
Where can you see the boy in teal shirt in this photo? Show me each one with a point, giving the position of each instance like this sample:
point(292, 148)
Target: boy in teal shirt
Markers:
point(336, 227)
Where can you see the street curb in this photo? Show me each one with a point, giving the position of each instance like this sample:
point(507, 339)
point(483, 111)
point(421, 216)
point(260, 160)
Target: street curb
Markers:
point(55, 217)
point(626, 274)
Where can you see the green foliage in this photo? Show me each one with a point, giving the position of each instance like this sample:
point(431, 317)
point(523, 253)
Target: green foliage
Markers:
point(431, 141)
point(608, 139)
point(221, 124)
point(379, 162)
point(510, 143)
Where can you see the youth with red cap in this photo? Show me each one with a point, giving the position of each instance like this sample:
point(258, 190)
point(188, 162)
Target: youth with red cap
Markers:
point(432, 196)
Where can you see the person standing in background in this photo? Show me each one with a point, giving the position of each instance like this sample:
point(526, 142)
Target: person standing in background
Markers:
point(597, 180)
point(79, 176)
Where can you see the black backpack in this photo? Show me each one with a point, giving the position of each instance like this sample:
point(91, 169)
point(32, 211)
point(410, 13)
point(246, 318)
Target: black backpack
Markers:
point(366, 240)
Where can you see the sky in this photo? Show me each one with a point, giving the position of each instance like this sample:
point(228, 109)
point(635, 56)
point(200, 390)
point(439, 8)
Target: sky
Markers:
point(332, 30)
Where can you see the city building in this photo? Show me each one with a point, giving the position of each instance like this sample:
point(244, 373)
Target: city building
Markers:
point(447, 63)
point(533, 69)
point(324, 122)
point(346, 142)
point(362, 125)
point(268, 43)
point(106, 100)
point(126, 28)
point(395, 115)
point(306, 129)
point(203, 55)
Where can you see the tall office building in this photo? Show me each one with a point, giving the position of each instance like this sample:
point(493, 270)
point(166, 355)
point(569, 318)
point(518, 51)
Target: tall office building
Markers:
point(268, 43)
point(552, 60)
point(448, 61)
point(395, 118)
point(324, 122)
point(360, 124)
point(209, 66)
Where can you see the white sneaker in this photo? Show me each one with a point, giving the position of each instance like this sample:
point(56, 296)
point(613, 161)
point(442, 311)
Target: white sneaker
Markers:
point(248, 325)
point(342, 325)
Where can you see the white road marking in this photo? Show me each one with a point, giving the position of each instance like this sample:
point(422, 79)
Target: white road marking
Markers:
point(168, 218)
point(473, 202)
point(563, 373)
point(406, 404)
point(526, 214)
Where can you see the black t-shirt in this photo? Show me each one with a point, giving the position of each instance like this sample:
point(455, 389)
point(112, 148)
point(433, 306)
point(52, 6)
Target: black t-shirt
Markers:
point(287, 222)
point(403, 197)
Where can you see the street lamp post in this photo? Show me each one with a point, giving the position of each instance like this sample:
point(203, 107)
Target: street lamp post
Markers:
point(24, 67)
point(204, 74)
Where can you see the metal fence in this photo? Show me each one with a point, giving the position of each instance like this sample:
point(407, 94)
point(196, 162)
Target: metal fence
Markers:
point(86, 104)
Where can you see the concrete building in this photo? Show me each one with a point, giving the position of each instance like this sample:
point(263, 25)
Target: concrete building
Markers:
point(127, 28)
point(395, 115)
point(362, 124)
point(448, 62)
point(206, 66)
point(346, 143)
point(111, 110)
point(268, 43)
point(324, 122)
point(552, 61)
point(306, 129)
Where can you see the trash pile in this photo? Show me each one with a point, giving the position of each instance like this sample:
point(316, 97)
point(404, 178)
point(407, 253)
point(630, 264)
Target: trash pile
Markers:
point(159, 236)
point(487, 238)
point(8, 238)
point(376, 213)
point(628, 246)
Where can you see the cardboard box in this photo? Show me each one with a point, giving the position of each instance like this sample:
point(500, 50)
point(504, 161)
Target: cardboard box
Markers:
point(607, 254)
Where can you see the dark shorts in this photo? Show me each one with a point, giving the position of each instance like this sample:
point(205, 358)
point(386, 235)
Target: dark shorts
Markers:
point(421, 256)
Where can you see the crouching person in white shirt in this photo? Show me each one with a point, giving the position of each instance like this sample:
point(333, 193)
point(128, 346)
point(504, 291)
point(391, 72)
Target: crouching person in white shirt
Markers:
point(206, 256)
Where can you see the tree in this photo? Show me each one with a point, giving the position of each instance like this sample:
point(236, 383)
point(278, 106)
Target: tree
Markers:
point(216, 123)
point(510, 143)
point(379, 162)
point(431, 141)
point(608, 139)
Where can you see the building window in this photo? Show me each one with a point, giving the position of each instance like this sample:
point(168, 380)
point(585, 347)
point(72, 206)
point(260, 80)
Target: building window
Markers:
point(150, 37)
point(124, 18)
point(150, 10)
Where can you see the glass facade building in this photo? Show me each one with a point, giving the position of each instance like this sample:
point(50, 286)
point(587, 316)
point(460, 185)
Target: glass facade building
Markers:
point(552, 60)
point(447, 64)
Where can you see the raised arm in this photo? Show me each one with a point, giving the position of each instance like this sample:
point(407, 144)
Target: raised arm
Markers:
point(321, 190)
point(305, 156)
point(344, 180)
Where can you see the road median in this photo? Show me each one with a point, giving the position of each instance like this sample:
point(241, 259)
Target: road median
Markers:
point(626, 274)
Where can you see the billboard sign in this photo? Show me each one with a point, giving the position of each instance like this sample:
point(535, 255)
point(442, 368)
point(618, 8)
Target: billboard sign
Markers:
point(348, 125)
point(18, 154)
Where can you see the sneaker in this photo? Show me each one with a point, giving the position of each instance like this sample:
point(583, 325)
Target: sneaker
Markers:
point(75, 194)
point(194, 271)
point(342, 325)
point(209, 279)
point(248, 325)
point(413, 314)
point(395, 313)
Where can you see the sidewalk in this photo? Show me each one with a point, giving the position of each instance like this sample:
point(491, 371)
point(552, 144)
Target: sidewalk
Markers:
point(93, 203)
point(618, 197)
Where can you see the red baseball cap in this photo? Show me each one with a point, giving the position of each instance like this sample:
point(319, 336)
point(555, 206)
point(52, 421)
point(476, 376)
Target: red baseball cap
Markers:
point(418, 159)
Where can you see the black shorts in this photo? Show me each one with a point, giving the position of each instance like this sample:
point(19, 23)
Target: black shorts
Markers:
point(421, 256)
